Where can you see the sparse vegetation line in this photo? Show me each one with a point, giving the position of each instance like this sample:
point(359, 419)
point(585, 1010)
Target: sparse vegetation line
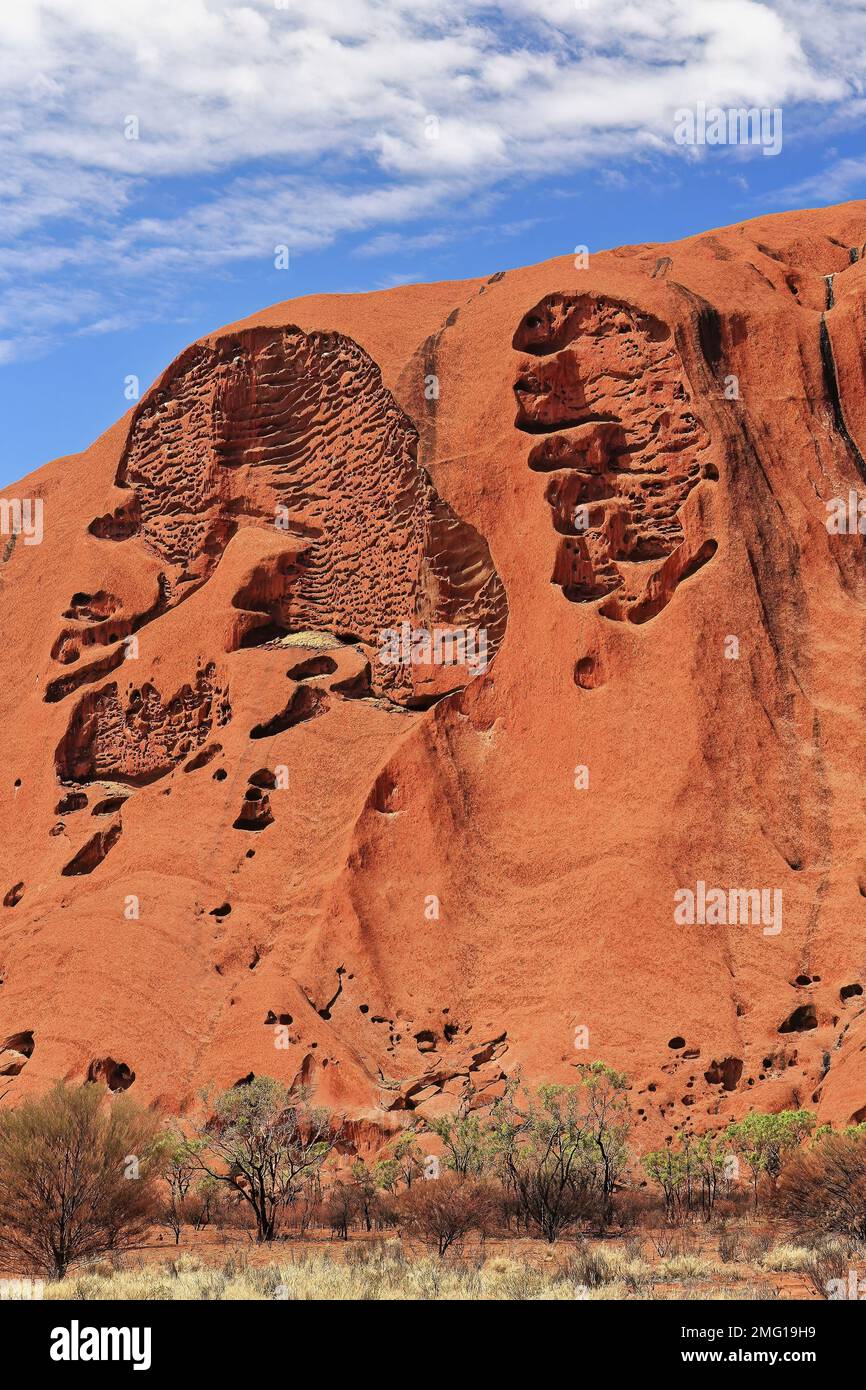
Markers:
point(87, 1181)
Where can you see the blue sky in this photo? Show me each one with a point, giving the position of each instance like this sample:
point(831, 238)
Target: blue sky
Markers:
point(381, 143)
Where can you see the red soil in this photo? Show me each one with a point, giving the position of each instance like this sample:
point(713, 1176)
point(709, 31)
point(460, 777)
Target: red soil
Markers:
point(282, 813)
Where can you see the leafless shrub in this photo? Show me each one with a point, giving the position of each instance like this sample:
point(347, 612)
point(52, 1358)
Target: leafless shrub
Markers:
point(824, 1188)
point(443, 1211)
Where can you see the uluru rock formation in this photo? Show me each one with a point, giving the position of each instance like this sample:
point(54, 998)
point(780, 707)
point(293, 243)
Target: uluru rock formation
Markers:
point(242, 836)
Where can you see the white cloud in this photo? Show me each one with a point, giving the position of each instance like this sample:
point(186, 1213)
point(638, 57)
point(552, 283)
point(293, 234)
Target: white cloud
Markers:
point(394, 243)
point(263, 122)
point(843, 179)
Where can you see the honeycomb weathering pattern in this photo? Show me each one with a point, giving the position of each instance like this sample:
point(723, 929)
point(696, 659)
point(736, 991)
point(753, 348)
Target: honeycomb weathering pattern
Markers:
point(622, 445)
point(278, 418)
point(143, 737)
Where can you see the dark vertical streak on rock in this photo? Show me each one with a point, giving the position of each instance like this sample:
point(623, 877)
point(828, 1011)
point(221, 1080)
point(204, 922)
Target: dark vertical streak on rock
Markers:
point(831, 384)
point(828, 280)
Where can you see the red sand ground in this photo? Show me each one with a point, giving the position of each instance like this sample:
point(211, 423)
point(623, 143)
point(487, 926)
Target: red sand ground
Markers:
point(144, 778)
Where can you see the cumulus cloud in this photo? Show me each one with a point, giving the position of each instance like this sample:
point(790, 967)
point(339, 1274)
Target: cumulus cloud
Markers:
point(289, 121)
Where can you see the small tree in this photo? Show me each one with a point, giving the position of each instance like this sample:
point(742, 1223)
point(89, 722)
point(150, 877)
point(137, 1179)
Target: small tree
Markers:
point(386, 1175)
point(310, 1200)
point(766, 1142)
point(408, 1157)
point(608, 1126)
point(78, 1177)
point(181, 1165)
point(545, 1154)
point(264, 1140)
point(711, 1160)
point(688, 1174)
point(666, 1167)
point(205, 1204)
point(366, 1191)
point(341, 1207)
point(467, 1140)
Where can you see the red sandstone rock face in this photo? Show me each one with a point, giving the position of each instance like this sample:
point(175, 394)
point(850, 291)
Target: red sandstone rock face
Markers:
point(237, 838)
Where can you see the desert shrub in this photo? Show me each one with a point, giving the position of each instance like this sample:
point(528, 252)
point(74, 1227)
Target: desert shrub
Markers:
point(509, 1213)
point(546, 1157)
point(78, 1177)
point(686, 1267)
point(340, 1209)
point(667, 1243)
point(824, 1187)
point(588, 1266)
point(757, 1247)
point(237, 1216)
point(732, 1206)
point(443, 1211)
point(206, 1204)
point(632, 1248)
point(828, 1261)
point(637, 1209)
point(604, 1096)
point(386, 1212)
point(787, 1259)
point(730, 1242)
point(522, 1283)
